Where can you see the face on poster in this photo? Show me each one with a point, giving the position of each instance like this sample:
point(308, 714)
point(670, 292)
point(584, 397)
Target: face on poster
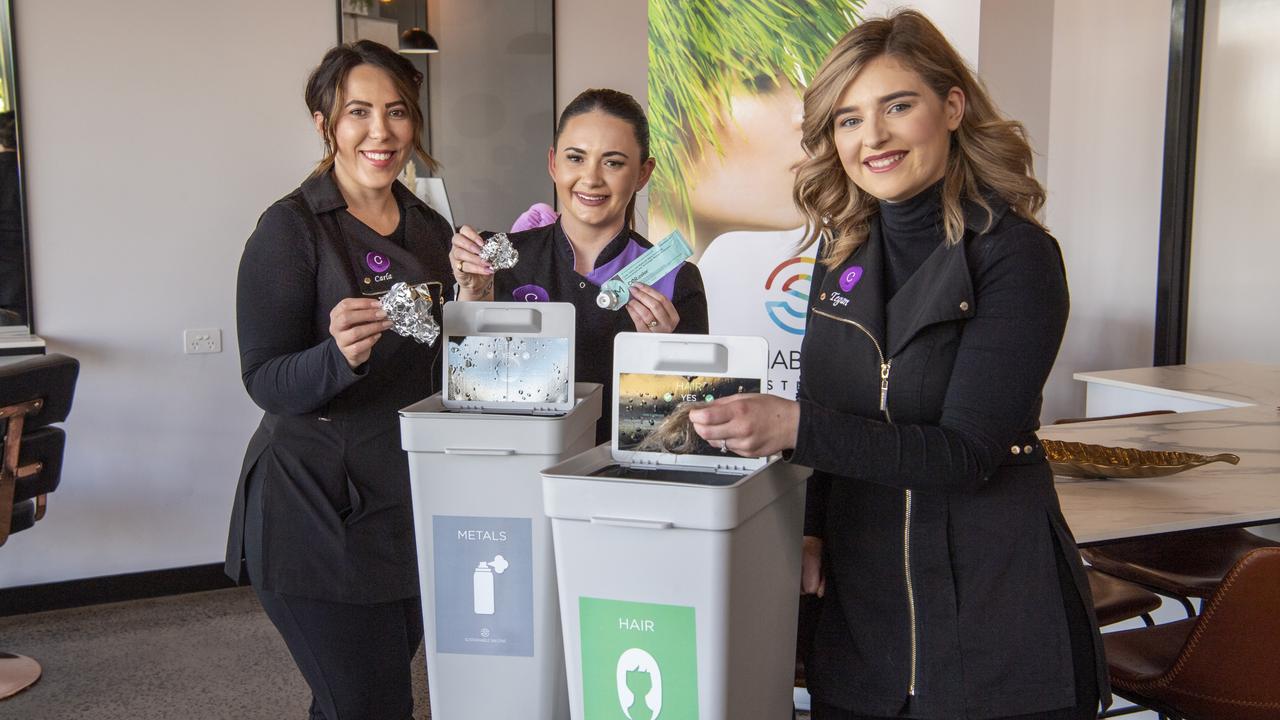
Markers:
point(725, 88)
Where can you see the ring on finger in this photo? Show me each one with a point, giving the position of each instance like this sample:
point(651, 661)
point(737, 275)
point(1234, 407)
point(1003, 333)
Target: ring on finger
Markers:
point(724, 445)
point(459, 264)
point(653, 324)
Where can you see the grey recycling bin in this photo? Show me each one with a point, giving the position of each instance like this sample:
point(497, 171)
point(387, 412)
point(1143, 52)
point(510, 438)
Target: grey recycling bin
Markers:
point(679, 587)
point(485, 561)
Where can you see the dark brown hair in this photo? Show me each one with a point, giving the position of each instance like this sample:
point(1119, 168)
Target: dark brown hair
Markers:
point(617, 104)
point(324, 91)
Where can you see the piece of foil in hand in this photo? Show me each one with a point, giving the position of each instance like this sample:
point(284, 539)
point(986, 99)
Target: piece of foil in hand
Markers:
point(499, 252)
point(408, 307)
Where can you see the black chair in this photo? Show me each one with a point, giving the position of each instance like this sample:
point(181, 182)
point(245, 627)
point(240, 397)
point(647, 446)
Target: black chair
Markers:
point(33, 394)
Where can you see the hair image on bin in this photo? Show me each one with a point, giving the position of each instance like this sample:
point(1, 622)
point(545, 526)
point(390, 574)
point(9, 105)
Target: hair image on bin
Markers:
point(675, 434)
point(614, 103)
point(633, 664)
point(702, 52)
point(324, 92)
point(988, 152)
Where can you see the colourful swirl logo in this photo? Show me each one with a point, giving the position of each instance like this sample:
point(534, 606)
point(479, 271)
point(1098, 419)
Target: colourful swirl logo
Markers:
point(377, 262)
point(787, 294)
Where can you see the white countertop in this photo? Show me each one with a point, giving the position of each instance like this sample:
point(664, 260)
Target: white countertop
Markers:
point(1233, 384)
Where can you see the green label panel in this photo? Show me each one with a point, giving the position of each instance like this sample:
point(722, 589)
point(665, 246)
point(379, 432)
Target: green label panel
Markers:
point(639, 660)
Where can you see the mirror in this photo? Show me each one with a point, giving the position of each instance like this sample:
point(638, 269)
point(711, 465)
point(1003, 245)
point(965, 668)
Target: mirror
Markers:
point(488, 98)
point(15, 305)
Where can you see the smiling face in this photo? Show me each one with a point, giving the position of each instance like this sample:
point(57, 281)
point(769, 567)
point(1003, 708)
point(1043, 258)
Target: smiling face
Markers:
point(892, 132)
point(597, 167)
point(373, 133)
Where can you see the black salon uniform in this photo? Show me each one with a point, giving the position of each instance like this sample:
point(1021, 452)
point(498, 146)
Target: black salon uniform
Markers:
point(322, 521)
point(954, 587)
point(545, 272)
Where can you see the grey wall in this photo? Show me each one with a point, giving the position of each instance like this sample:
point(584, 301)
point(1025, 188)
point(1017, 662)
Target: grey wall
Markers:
point(492, 106)
point(156, 133)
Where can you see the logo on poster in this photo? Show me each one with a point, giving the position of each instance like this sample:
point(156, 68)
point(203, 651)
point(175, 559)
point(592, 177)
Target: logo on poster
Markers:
point(787, 294)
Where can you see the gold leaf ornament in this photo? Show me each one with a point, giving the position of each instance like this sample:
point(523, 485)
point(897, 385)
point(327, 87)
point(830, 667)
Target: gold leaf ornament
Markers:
point(1082, 460)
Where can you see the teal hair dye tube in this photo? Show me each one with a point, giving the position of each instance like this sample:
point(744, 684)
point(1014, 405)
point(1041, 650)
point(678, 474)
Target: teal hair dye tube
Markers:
point(649, 268)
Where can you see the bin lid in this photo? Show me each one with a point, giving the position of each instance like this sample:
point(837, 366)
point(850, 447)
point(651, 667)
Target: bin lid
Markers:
point(658, 378)
point(509, 356)
point(429, 426)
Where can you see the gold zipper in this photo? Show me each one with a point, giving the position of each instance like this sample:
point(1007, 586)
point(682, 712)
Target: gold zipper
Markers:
point(885, 367)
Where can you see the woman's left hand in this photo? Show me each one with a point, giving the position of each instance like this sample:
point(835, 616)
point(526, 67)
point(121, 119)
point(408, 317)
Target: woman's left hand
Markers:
point(749, 424)
point(651, 311)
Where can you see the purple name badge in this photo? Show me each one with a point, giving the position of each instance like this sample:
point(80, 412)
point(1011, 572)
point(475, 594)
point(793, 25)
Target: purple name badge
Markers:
point(530, 293)
point(850, 277)
point(377, 262)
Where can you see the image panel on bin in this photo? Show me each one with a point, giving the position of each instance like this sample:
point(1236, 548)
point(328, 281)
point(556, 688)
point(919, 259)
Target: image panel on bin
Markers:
point(658, 381)
point(509, 369)
point(653, 410)
point(513, 358)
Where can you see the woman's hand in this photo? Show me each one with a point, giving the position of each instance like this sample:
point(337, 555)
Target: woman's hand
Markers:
point(356, 324)
point(473, 273)
point(749, 424)
point(651, 311)
point(813, 581)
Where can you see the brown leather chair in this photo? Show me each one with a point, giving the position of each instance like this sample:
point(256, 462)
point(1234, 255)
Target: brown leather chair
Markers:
point(1221, 665)
point(1182, 566)
point(33, 394)
point(1116, 600)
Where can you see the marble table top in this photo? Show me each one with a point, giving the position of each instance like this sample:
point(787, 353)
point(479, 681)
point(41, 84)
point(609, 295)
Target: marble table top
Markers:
point(1218, 494)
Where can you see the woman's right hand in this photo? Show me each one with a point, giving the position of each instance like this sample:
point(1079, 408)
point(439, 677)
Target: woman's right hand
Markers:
point(812, 579)
point(473, 273)
point(356, 324)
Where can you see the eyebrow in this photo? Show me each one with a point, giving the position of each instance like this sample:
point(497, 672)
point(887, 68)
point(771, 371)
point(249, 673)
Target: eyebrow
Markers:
point(887, 98)
point(369, 104)
point(608, 153)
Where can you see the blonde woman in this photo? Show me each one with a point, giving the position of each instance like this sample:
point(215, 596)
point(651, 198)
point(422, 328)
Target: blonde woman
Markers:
point(952, 586)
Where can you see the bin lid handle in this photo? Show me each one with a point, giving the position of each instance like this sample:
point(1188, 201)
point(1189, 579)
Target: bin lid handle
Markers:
point(632, 523)
point(479, 451)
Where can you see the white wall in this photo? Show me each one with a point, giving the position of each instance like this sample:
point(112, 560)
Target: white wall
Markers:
point(1015, 61)
point(155, 133)
point(1235, 247)
point(1105, 154)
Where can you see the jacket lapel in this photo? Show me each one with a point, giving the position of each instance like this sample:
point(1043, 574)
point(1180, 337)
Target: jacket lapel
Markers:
point(939, 291)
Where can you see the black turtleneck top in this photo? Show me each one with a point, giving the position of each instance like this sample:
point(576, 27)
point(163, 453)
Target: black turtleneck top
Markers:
point(911, 230)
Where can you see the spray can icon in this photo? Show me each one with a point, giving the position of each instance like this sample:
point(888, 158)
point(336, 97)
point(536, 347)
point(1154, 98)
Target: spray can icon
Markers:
point(482, 588)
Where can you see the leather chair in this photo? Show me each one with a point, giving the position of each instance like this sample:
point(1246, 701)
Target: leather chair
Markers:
point(1182, 566)
point(1115, 600)
point(1218, 666)
point(33, 394)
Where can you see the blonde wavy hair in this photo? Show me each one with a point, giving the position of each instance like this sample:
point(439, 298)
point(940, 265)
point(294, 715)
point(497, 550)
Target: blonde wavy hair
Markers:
point(989, 153)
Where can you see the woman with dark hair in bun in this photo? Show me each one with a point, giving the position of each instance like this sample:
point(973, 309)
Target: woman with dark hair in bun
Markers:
point(322, 522)
point(599, 160)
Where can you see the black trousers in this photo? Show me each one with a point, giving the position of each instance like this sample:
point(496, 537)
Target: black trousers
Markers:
point(356, 658)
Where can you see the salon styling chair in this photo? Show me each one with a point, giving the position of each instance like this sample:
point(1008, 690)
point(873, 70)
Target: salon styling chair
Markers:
point(34, 394)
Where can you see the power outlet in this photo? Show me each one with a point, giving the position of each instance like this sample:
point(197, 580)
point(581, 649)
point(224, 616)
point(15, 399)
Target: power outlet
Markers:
point(206, 340)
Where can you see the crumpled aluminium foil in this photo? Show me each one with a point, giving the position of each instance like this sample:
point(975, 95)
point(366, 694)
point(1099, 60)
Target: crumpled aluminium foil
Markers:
point(499, 252)
point(409, 309)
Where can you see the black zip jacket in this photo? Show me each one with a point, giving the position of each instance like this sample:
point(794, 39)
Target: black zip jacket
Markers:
point(942, 529)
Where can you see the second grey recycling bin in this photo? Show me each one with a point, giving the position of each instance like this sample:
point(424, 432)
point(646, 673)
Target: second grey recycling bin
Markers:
point(491, 619)
point(679, 588)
